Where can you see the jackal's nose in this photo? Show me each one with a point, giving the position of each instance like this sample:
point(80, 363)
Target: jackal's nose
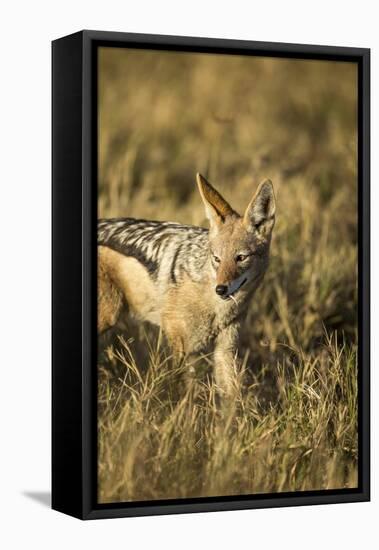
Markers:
point(221, 290)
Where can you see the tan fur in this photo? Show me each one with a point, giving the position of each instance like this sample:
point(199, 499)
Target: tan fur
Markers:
point(109, 296)
point(184, 314)
point(124, 276)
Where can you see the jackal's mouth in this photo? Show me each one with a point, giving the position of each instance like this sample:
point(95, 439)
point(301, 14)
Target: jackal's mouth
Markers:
point(231, 294)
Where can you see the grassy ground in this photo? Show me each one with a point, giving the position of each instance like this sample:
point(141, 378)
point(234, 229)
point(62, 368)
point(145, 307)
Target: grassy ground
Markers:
point(237, 120)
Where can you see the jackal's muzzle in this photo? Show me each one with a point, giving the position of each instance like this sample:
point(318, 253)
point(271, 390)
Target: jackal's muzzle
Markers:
point(225, 291)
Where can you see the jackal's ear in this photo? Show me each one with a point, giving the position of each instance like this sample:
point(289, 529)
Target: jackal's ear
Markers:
point(216, 207)
point(260, 214)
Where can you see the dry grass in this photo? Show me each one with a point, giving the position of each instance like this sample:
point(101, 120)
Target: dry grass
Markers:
point(164, 116)
point(160, 438)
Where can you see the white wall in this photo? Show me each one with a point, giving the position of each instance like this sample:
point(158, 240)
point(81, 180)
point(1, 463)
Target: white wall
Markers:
point(26, 31)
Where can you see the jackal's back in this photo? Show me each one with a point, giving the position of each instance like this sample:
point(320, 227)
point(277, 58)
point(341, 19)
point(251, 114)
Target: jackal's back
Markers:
point(167, 250)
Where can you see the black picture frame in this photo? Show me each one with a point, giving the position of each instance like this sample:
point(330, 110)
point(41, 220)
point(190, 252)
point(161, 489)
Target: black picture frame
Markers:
point(74, 203)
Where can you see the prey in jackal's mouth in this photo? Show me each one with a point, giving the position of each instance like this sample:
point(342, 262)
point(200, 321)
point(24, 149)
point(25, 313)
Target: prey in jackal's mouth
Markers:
point(194, 283)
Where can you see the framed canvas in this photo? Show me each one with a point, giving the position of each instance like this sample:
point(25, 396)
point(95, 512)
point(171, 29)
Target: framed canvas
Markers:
point(210, 275)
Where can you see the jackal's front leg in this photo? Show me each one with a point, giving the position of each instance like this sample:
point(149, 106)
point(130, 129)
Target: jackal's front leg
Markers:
point(226, 360)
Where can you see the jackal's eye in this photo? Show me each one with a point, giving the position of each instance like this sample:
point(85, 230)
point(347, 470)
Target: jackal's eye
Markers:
point(216, 259)
point(241, 257)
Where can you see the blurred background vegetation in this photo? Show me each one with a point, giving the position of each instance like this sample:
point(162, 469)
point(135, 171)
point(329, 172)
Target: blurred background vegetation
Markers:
point(163, 116)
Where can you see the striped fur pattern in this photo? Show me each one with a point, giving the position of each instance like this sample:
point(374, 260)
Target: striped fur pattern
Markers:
point(194, 283)
point(166, 249)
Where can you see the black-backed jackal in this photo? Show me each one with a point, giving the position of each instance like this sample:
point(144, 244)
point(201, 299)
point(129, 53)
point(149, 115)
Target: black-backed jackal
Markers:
point(192, 282)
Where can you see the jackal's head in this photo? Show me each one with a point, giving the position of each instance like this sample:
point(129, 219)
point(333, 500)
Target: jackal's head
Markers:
point(239, 245)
